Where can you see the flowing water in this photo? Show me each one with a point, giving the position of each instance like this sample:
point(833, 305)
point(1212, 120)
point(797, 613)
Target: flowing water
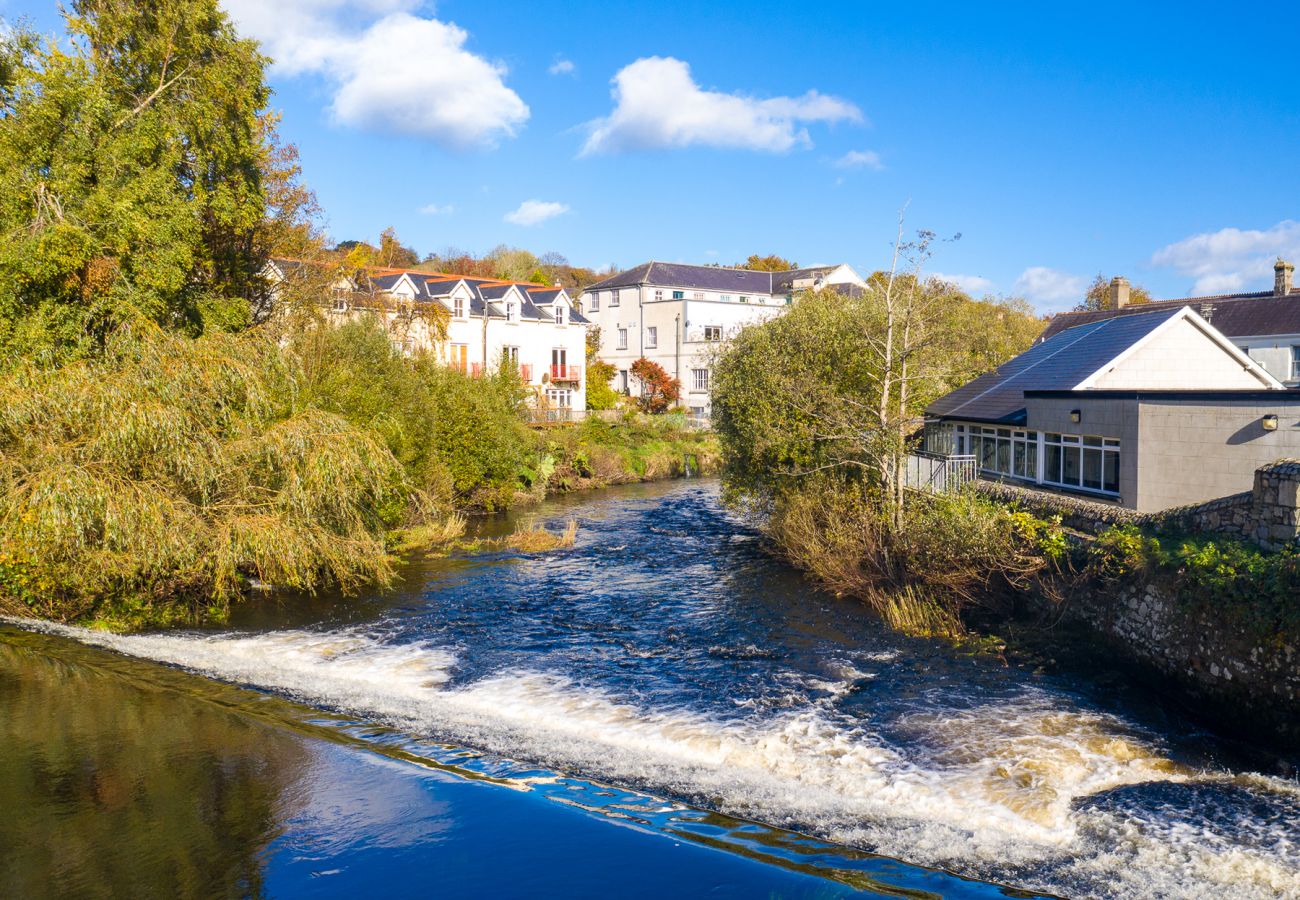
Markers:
point(667, 655)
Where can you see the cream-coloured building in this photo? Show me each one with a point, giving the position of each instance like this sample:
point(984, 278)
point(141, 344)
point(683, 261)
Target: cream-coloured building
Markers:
point(488, 323)
point(679, 315)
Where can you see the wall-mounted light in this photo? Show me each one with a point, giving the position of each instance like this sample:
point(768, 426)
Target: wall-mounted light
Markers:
point(1076, 416)
point(1270, 422)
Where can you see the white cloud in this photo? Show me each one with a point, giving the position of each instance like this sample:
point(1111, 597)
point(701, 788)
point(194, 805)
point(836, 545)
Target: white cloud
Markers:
point(857, 159)
point(392, 70)
point(534, 212)
point(657, 104)
point(562, 66)
point(1231, 259)
point(1051, 290)
point(975, 285)
point(433, 209)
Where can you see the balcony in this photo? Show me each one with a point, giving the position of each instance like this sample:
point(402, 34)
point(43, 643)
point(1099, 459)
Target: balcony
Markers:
point(526, 373)
point(566, 373)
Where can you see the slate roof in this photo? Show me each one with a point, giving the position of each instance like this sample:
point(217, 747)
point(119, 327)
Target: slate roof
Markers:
point(1059, 363)
point(681, 275)
point(1236, 315)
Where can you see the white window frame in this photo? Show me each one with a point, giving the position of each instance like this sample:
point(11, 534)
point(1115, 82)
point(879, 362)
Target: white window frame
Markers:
point(659, 295)
point(652, 337)
point(1085, 445)
point(712, 332)
point(622, 338)
point(593, 304)
point(614, 298)
point(561, 313)
point(559, 398)
point(1295, 362)
point(699, 381)
point(458, 307)
point(512, 311)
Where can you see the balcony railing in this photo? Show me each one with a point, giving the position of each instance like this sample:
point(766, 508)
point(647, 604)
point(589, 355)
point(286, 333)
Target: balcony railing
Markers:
point(566, 373)
point(526, 373)
point(476, 370)
point(938, 473)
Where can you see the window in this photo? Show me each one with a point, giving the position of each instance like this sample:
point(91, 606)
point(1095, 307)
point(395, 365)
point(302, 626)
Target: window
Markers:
point(652, 337)
point(340, 301)
point(594, 304)
point(679, 295)
point(659, 295)
point(697, 412)
point(699, 379)
point(744, 299)
point(512, 311)
point(1001, 451)
point(613, 298)
point(458, 307)
point(698, 295)
point(559, 398)
point(622, 381)
point(622, 339)
point(561, 313)
point(725, 298)
point(458, 358)
point(713, 332)
point(1085, 462)
point(510, 357)
point(1295, 363)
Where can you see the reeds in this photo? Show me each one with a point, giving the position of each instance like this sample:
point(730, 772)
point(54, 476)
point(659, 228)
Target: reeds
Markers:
point(531, 538)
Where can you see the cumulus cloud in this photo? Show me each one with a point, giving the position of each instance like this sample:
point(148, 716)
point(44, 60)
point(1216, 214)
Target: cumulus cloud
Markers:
point(1051, 290)
point(562, 66)
point(858, 159)
point(534, 212)
point(1231, 259)
point(657, 104)
point(975, 285)
point(391, 69)
point(433, 209)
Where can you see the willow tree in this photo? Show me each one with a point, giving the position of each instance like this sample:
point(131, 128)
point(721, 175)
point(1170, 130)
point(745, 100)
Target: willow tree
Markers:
point(130, 174)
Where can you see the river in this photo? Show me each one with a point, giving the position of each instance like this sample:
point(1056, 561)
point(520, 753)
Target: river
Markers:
point(666, 674)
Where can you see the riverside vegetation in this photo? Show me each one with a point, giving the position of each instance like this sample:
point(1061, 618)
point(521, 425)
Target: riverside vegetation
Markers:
point(815, 412)
point(172, 430)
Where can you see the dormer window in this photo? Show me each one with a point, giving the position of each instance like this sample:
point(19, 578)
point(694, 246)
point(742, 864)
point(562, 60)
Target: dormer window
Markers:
point(458, 307)
point(512, 311)
point(561, 313)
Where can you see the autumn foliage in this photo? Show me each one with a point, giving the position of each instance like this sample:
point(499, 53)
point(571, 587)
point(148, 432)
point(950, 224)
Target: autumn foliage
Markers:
point(659, 390)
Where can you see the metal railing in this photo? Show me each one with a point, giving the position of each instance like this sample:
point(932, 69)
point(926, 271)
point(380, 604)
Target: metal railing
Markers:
point(566, 373)
point(939, 473)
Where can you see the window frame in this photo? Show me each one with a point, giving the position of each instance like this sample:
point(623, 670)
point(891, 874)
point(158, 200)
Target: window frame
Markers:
point(701, 381)
point(652, 337)
point(621, 335)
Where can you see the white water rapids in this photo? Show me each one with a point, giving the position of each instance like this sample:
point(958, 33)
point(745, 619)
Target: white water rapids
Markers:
point(995, 795)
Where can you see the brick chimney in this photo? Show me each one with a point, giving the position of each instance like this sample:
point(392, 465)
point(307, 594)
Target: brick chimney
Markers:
point(1282, 277)
point(1119, 292)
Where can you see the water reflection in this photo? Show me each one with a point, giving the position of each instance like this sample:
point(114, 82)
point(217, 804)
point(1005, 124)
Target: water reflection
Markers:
point(115, 789)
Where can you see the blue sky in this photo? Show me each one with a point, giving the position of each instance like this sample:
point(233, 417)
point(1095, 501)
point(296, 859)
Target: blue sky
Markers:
point(1160, 141)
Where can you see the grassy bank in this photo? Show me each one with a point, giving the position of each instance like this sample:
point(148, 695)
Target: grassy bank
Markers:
point(154, 483)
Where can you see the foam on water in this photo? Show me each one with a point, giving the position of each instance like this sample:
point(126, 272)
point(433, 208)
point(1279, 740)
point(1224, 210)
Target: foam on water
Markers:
point(998, 792)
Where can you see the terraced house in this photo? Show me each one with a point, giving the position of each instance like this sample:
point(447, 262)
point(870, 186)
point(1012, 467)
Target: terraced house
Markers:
point(677, 315)
point(1147, 407)
point(488, 323)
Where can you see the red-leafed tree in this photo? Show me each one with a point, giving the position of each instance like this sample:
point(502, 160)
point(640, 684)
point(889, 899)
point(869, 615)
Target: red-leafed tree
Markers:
point(659, 390)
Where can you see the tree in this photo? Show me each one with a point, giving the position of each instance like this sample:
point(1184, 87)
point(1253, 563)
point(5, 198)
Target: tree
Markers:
point(769, 263)
point(393, 254)
point(1098, 296)
point(659, 390)
point(131, 174)
point(600, 393)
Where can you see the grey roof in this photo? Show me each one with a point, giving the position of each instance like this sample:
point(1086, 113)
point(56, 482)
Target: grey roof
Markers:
point(1058, 363)
point(1236, 315)
point(783, 282)
point(704, 278)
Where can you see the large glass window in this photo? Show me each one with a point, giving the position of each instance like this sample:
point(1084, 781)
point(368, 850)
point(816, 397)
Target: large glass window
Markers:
point(1002, 451)
point(1086, 462)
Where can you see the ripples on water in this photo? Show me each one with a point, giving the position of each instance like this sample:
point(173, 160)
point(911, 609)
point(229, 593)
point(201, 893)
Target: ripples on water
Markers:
point(665, 652)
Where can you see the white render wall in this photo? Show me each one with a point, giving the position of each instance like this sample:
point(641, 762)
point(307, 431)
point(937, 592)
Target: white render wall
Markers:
point(1179, 356)
point(1273, 352)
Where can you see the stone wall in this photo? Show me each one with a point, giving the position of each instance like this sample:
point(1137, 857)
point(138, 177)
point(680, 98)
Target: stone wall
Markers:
point(1247, 681)
point(1267, 515)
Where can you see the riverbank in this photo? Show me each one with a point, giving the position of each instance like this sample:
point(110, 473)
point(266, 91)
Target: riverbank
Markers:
point(156, 483)
point(668, 654)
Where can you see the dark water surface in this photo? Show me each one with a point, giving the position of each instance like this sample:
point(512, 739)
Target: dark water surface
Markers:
point(664, 654)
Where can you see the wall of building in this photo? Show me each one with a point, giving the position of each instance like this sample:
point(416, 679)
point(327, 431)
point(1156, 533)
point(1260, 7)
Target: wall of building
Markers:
point(1177, 356)
point(1191, 451)
point(1106, 419)
point(1273, 352)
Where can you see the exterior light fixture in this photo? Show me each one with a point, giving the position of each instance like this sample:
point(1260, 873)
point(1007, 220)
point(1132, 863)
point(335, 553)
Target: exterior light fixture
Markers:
point(1076, 416)
point(1270, 422)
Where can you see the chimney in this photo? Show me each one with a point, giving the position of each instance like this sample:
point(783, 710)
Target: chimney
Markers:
point(1118, 292)
point(1282, 276)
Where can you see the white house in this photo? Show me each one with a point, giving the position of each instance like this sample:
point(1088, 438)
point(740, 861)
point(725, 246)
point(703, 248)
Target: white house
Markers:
point(677, 315)
point(489, 323)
